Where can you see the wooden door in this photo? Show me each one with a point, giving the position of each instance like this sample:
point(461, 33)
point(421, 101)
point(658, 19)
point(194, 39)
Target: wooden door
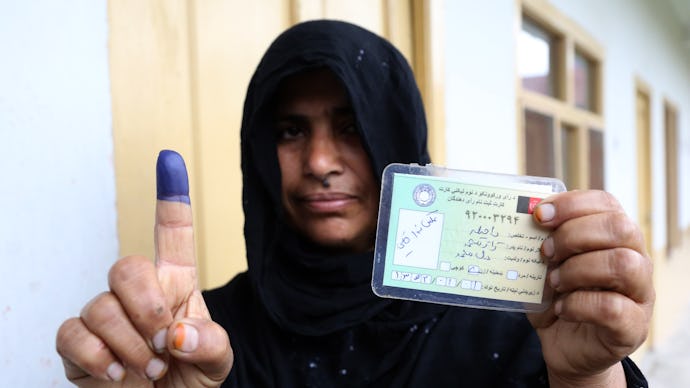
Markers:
point(644, 164)
point(673, 234)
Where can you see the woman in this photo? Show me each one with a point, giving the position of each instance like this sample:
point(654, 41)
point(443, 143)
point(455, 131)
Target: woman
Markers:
point(330, 105)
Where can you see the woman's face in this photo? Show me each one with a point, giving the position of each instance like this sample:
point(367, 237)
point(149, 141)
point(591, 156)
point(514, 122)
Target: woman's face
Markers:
point(317, 139)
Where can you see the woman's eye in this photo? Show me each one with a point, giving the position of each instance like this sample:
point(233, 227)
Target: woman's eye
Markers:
point(289, 132)
point(349, 129)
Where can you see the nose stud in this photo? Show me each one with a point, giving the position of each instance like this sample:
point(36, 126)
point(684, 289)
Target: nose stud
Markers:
point(325, 183)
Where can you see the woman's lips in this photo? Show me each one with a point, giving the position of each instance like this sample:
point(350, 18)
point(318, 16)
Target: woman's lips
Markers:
point(326, 202)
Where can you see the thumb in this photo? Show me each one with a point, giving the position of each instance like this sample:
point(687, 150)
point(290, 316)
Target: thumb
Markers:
point(203, 344)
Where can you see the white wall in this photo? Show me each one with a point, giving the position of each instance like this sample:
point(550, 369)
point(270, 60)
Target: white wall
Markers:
point(480, 85)
point(641, 39)
point(57, 196)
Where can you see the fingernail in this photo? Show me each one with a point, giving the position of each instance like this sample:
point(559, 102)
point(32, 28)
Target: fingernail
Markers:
point(555, 278)
point(558, 307)
point(172, 183)
point(159, 340)
point(115, 371)
point(185, 338)
point(545, 212)
point(155, 369)
point(547, 248)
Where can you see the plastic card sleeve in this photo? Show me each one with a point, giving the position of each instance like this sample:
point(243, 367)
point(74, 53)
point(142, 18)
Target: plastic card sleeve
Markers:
point(462, 238)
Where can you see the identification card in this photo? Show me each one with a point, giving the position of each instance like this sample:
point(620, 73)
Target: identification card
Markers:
point(462, 238)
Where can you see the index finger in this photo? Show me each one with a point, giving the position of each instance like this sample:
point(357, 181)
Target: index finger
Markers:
point(174, 234)
point(586, 221)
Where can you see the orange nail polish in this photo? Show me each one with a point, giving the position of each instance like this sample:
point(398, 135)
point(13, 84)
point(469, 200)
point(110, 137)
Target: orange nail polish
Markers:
point(178, 337)
point(185, 338)
point(545, 212)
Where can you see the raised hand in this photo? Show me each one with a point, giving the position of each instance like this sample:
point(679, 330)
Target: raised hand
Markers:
point(603, 282)
point(152, 328)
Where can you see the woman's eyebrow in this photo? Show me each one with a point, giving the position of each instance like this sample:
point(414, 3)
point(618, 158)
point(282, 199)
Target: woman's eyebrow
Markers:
point(290, 117)
point(345, 110)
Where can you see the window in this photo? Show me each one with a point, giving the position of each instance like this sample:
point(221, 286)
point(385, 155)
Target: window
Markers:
point(559, 98)
point(585, 70)
point(570, 154)
point(539, 141)
point(596, 159)
point(536, 62)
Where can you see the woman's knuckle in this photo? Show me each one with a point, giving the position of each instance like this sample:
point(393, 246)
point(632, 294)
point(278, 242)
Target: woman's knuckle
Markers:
point(66, 334)
point(626, 263)
point(609, 200)
point(610, 307)
point(125, 271)
point(622, 229)
point(103, 309)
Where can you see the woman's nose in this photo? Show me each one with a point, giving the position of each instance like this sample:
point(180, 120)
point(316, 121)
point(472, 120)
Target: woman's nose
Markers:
point(323, 155)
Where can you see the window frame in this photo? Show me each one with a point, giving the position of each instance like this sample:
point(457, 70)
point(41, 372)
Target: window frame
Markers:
point(569, 38)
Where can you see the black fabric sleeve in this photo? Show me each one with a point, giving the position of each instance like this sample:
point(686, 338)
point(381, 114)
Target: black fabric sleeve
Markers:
point(633, 375)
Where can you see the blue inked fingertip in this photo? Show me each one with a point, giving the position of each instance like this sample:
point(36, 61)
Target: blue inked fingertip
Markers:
point(172, 183)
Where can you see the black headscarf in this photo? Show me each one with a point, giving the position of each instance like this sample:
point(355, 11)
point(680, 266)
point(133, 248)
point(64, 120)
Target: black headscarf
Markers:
point(305, 289)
